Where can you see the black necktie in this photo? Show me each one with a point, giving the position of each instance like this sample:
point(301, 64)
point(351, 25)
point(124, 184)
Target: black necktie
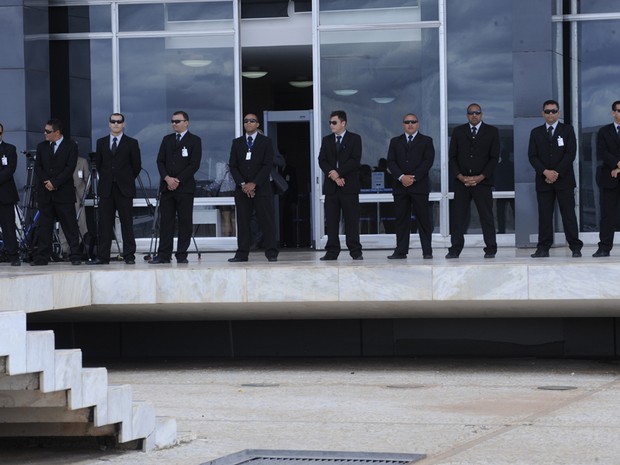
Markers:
point(473, 132)
point(410, 140)
point(618, 131)
point(178, 139)
point(550, 133)
point(338, 143)
point(250, 142)
point(53, 146)
point(114, 146)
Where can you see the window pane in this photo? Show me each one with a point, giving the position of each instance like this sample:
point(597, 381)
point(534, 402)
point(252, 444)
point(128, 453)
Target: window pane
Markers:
point(376, 11)
point(155, 83)
point(377, 77)
point(74, 19)
point(598, 92)
point(598, 6)
point(175, 16)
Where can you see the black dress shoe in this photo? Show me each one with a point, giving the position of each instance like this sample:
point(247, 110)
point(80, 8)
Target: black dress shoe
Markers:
point(540, 254)
point(38, 263)
point(237, 259)
point(182, 260)
point(130, 261)
point(489, 255)
point(99, 261)
point(76, 262)
point(272, 259)
point(397, 256)
point(427, 256)
point(452, 255)
point(601, 253)
point(358, 257)
point(16, 262)
point(576, 253)
point(328, 257)
point(158, 261)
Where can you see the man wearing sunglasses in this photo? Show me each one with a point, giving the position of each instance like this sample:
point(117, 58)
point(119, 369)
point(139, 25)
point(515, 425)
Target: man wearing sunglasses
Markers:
point(339, 158)
point(8, 198)
point(473, 157)
point(178, 161)
point(552, 150)
point(54, 166)
point(251, 162)
point(409, 160)
point(118, 165)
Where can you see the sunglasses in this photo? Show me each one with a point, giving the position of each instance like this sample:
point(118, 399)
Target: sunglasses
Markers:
point(477, 112)
point(250, 121)
point(116, 121)
point(333, 123)
point(410, 121)
point(550, 112)
point(177, 121)
point(48, 131)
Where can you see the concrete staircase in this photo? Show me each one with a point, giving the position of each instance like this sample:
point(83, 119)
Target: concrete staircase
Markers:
point(46, 392)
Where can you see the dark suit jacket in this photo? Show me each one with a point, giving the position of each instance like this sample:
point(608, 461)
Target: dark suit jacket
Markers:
point(471, 157)
point(171, 162)
point(416, 160)
point(8, 189)
point(257, 168)
point(608, 151)
point(123, 167)
point(545, 155)
point(346, 162)
point(57, 168)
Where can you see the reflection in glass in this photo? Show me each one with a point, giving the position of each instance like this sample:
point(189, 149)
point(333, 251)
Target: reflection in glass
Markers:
point(376, 11)
point(400, 64)
point(154, 84)
point(175, 16)
point(76, 19)
point(380, 218)
point(503, 212)
point(597, 92)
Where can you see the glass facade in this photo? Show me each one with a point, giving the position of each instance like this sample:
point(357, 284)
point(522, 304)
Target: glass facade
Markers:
point(375, 59)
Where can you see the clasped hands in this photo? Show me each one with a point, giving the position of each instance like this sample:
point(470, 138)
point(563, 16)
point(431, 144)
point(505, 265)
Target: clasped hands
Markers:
point(249, 189)
point(334, 176)
point(172, 183)
point(551, 176)
point(471, 181)
point(48, 185)
point(407, 180)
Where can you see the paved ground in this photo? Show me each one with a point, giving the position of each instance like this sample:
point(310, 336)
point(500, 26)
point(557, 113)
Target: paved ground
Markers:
point(482, 412)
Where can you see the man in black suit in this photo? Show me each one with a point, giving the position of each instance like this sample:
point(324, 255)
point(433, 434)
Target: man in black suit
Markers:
point(118, 164)
point(8, 198)
point(608, 150)
point(473, 156)
point(552, 150)
point(54, 166)
point(251, 161)
point(339, 158)
point(178, 160)
point(410, 158)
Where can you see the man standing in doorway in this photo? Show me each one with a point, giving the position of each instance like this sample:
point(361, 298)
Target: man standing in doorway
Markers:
point(178, 161)
point(339, 158)
point(410, 158)
point(54, 167)
point(251, 161)
point(8, 198)
point(473, 156)
point(608, 151)
point(118, 165)
point(552, 150)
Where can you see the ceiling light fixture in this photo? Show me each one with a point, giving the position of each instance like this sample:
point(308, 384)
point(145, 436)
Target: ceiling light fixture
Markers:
point(345, 92)
point(194, 63)
point(253, 73)
point(383, 99)
point(300, 84)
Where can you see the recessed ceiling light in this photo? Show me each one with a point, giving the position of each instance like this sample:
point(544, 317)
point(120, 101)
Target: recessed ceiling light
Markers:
point(345, 92)
point(300, 84)
point(253, 74)
point(196, 63)
point(383, 99)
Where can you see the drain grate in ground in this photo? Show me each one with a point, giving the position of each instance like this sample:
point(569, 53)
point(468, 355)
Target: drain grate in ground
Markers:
point(304, 457)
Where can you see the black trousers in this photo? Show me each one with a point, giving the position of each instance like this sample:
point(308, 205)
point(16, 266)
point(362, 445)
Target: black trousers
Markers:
point(175, 206)
point(349, 206)
point(610, 198)
point(263, 205)
point(9, 236)
point(546, 205)
point(482, 195)
point(404, 204)
point(65, 214)
point(108, 206)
